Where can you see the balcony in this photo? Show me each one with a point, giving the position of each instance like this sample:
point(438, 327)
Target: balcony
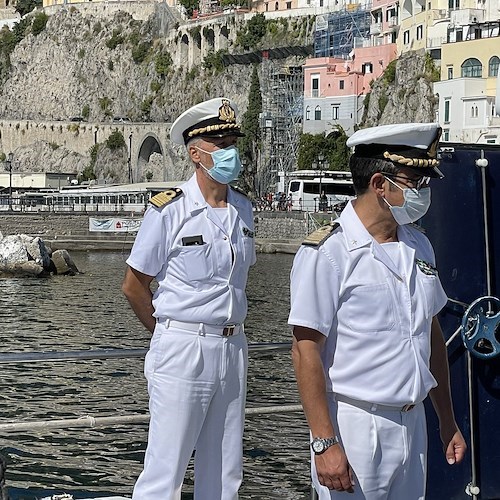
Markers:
point(393, 22)
point(464, 17)
point(375, 28)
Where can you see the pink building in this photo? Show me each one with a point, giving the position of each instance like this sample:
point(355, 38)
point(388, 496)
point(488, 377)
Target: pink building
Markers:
point(335, 87)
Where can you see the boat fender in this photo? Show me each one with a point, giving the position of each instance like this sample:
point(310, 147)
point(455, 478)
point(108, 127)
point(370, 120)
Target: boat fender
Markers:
point(319, 236)
point(165, 197)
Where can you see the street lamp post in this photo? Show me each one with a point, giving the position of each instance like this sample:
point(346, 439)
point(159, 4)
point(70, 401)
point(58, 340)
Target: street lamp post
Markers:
point(130, 158)
point(321, 159)
point(8, 162)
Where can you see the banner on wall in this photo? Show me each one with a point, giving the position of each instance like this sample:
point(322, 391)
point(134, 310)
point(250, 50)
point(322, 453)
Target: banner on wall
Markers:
point(114, 225)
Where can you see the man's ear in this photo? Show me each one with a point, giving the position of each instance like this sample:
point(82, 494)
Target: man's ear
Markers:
point(377, 182)
point(194, 154)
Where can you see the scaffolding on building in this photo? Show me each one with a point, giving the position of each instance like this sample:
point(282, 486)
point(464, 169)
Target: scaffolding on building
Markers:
point(338, 33)
point(281, 122)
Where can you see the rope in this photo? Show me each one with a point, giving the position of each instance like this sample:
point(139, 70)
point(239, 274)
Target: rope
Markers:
point(90, 421)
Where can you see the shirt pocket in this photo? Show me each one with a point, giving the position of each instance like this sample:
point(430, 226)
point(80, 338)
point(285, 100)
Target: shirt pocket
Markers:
point(428, 284)
point(370, 309)
point(198, 262)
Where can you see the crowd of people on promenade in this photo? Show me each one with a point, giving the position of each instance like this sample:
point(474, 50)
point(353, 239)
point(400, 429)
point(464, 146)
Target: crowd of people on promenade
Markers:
point(275, 202)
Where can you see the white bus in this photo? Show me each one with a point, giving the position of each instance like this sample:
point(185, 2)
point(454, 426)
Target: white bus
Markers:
point(306, 186)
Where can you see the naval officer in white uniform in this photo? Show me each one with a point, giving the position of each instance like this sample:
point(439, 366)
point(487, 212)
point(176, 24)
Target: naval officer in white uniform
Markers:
point(367, 346)
point(197, 241)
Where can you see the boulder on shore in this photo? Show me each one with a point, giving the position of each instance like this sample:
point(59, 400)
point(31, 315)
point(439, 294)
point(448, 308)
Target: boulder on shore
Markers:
point(23, 255)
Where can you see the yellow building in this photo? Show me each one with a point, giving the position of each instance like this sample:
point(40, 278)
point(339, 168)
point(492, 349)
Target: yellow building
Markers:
point(470, 64)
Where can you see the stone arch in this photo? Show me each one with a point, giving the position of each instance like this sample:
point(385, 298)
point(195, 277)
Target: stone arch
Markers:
point(184, 49)
point(196, 54)
point(209, 35)
point(149, 145)
point(224, 38)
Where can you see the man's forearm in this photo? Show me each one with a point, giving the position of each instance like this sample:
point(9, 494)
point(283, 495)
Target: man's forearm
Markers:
point(440, 395)
point(312, 387)
point(136, 289)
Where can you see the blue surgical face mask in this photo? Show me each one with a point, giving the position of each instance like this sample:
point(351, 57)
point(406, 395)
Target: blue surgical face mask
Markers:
point(227, 164)
point(415, 206)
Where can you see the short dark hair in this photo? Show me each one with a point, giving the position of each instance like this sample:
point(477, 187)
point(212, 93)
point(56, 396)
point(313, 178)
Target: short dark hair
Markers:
point(362, 170)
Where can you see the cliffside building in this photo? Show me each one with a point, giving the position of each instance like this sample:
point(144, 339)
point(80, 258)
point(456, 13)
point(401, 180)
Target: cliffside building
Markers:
point(463, 38)
point(468, 87)
point(352, 48)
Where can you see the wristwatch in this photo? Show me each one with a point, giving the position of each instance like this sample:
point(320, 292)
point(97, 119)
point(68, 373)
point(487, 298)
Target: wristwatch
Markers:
point(320, 445)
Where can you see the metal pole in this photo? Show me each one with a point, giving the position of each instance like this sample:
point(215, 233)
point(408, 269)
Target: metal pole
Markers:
point(130, 158)
point(10, 157)
point(258, 348)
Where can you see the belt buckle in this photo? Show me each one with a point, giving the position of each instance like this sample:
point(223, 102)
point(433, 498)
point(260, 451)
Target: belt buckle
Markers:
point(228, 330)
point(407, 407)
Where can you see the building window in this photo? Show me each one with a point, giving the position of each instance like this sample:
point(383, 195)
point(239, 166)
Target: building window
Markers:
point(447, 111)
point(459, 35)
point(341, 84)
point(317, 113)
point(308, 113)
point(315, 86)
point(450, 72)
point(420, 32)
point(472, 68)
point(335, 111)
point(276, 6)
point(406, 37)
point(446, 134)
point(454, 4)
point(493, 66)
point(289, 5)
point(367, 68)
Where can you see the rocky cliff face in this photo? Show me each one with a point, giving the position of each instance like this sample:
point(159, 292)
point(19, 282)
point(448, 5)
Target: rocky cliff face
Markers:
point(84, 66)
point(100, 68)
point(404, 93)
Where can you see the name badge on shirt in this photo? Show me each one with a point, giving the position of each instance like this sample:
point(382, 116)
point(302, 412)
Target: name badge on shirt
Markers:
point(247, 232)
point(426, 268)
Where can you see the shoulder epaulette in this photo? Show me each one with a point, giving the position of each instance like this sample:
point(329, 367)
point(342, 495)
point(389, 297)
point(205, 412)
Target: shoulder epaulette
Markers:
point(161, 199)
point(319, 236)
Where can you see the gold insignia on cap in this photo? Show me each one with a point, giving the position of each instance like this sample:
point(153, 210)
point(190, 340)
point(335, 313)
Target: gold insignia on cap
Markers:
point(161, 199)
point(214, 128)
point(319, 236)
point(226, 112)
point(411, 162)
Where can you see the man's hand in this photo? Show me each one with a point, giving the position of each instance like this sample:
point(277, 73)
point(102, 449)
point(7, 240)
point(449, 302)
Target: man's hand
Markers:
point(454, 447)
point(333, 469)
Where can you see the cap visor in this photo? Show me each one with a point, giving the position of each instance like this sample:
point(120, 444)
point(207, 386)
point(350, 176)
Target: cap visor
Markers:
point(222, 133)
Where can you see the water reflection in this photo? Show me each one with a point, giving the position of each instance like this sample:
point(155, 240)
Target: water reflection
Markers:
point(88, 311)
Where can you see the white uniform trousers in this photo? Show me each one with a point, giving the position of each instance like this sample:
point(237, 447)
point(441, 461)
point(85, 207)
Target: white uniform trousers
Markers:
point(386, 449)
point(197, 389)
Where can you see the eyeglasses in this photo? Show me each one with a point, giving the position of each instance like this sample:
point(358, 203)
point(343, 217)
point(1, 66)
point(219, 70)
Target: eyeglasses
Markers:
point(417, 184)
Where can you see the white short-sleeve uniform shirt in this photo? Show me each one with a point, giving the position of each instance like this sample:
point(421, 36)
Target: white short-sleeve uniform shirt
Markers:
point(202, 283)
point(376, 315)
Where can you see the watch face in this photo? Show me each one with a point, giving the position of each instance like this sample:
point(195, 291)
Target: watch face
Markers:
point(318, 446)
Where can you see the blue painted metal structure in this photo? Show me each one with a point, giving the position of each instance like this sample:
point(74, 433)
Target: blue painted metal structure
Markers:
point(468, 259)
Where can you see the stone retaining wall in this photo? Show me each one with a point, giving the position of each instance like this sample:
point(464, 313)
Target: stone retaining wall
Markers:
point(268, 225)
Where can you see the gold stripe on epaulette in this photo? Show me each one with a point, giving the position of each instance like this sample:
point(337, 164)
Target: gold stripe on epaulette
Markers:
point(161, 199)
point(317, 237)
